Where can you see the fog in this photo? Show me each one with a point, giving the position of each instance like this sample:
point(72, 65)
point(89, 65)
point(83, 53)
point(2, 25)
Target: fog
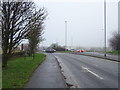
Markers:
point(85, 22)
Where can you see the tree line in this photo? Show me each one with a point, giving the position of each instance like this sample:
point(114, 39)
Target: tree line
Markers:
point(57, 47)
point(18, 21)
point(115, 41)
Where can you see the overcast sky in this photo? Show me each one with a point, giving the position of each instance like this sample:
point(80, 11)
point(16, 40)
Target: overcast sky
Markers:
point(85, 22)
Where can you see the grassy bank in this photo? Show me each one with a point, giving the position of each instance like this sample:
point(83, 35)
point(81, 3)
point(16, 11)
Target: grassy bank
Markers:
point(19, 70)
point(0, 75)
point(114, 52)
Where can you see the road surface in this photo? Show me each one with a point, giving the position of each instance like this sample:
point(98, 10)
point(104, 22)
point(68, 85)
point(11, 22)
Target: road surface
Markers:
point(88, 72)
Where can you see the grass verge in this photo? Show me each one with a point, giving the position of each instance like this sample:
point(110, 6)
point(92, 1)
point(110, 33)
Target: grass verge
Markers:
point(19, 70)
point(0, 75)
point(114, 52)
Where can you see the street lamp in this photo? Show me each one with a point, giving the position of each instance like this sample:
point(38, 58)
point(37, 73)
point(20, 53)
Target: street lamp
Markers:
point(65, 35)
point(105, 26)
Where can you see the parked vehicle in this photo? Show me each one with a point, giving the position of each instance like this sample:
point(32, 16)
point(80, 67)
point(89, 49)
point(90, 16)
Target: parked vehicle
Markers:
point(50, 50)
point(80, 51)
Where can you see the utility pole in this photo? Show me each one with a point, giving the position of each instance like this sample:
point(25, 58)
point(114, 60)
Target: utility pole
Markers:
point(65, 35)
point(105, 26)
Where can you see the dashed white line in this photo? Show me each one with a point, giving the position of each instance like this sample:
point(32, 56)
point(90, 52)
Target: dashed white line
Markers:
point(92, 72)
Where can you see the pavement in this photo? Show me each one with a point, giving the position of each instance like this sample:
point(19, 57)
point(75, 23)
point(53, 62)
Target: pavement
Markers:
point(101, 55)
point(88, 72)
point(47, 75)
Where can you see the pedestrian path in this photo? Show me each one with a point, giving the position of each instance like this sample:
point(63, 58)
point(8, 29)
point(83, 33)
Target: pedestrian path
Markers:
point(47, 75)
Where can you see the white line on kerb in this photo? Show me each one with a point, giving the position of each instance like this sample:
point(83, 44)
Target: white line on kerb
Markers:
point(92, 72)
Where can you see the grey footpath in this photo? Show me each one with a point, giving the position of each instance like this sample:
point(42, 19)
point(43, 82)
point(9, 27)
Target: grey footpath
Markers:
point(47, 75)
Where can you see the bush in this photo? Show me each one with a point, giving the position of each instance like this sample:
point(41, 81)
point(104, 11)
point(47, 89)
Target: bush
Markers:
point(17, 54)
point(115, 41)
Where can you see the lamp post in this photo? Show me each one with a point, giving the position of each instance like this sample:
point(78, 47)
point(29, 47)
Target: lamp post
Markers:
point(71, 43)
point(65, 35)
point(105, 27)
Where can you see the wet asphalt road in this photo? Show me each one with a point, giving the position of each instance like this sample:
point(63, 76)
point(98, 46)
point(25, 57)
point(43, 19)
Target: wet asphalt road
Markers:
point(90, 72)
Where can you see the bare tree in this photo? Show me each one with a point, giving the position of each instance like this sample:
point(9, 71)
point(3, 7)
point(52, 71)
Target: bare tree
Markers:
point(15, 19)
point(36, 29)
point(115, 41)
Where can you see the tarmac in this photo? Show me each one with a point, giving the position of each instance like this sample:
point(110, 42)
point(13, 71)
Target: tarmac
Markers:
point(47, 75)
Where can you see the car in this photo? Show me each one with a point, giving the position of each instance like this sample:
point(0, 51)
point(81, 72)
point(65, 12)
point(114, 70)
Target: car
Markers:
point(50, 50)
point(80, 51)
point(54, 50)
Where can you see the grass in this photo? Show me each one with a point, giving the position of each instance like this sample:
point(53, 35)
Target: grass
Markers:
point(0, 75)
point(0, 71)
point(19, 70)
point(114, 52)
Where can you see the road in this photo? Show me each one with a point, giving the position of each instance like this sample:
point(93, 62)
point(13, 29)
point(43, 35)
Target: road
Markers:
point(88, 72)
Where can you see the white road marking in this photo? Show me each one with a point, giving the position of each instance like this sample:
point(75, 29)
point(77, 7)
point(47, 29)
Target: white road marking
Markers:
point(92, 72)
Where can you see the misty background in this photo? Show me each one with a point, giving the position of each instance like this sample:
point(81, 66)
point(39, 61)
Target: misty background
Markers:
point(85, 23)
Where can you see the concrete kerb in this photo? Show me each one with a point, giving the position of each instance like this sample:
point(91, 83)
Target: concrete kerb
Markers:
point(70, 83)
point(106, 58)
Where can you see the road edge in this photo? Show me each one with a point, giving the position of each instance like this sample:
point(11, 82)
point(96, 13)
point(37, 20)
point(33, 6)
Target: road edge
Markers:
point(106, 58)
point(70, 83)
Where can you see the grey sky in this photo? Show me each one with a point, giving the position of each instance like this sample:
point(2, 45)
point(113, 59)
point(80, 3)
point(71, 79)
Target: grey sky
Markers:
point(85, 22)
